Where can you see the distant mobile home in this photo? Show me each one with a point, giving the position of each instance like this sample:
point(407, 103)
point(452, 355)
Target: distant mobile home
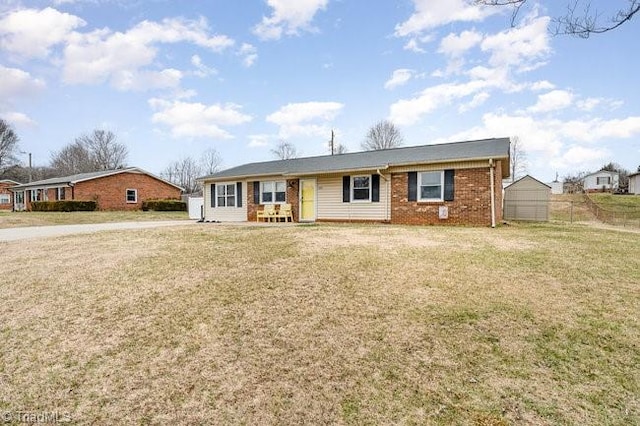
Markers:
point(453, 183)
point(601, 181)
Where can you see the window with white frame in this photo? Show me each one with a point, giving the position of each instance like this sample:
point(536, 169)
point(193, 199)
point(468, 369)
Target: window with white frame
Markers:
point(226, 195)
point(38, 195)
point(273, 192)
point(5, 199)
point(606, 180)
point(361, 188)
point(60, 193)
point(132, 195)
point(430, 186)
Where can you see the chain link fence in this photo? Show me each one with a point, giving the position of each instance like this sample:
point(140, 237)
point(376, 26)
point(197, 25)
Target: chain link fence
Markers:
point(575, 208)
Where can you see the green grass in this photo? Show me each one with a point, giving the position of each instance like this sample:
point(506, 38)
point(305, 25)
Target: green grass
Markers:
point(627, 204)
point(528, 324)
point(18, 219)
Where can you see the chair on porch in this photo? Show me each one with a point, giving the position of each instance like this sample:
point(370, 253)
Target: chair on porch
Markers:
point(285, 212)
point(268, 212)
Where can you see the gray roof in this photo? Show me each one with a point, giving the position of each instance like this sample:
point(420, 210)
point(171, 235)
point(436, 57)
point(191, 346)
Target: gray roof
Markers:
point(528, 177)
point(9, 181)
point(80, 177)
point(497, 148)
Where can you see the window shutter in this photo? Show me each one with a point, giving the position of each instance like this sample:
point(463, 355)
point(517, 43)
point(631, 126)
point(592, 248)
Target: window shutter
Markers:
point(346, 189)
point(213, 195)
point(239, 194)
point(413, 186)
point(448, 184)
point(375, 188)
point(256, 193)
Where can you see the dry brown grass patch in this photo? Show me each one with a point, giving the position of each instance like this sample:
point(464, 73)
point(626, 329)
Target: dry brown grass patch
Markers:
point(326, 324)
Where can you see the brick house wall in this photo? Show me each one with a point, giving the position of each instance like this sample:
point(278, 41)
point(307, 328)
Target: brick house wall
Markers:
point(293, 188)
point(4, 190)
point(110, 192)
point(471, 203)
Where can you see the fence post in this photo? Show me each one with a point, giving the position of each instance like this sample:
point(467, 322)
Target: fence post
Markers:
point(571, 213)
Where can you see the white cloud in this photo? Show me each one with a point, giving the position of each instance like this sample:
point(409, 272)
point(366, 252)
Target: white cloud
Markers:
point(560, 144)
point(16, 83)
point(140, 80)
point(196, 119)
point(520, 47)
point(201, 69)
point(17, 119)
point(430, 14)
point(288, 17)
point(477, 100)
point(542, 85)
point(120, 58)
point(552, 101)
point(580, 157)
point(409, 111)
point(249, 54)
point(259, 141)
point(399, 78)
point(32, 33)
point(456, 45)
point(306, 118)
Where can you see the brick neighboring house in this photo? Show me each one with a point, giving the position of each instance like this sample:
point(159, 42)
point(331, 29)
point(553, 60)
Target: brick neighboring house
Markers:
point(454, 183)
point(6, 196)
point(123, 189)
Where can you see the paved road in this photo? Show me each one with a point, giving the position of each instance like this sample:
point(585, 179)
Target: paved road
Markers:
point(26, 233)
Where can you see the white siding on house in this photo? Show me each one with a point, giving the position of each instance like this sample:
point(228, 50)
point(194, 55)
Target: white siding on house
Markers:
point(556, 187)
point(225, 214)
point(591, 181)
point(330, 204)
point(634, 184)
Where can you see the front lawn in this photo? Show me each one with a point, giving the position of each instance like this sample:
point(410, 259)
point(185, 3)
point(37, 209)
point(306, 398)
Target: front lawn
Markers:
point(524, 324)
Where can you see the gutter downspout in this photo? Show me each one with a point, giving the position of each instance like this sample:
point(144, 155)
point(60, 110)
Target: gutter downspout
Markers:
point(493, 193)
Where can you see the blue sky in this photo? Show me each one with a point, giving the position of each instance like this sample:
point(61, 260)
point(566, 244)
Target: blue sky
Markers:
point(174, 78)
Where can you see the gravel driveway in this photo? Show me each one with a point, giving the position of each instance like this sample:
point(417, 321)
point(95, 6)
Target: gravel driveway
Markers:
point(26, 233)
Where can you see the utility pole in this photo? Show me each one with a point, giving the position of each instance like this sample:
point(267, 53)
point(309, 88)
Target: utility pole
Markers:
point(30, 165)
point(331, 142)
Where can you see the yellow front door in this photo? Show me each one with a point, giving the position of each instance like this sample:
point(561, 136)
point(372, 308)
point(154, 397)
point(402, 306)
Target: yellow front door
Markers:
point(308, 200)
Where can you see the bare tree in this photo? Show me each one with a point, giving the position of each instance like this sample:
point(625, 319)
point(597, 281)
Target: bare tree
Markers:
point(211, 161)
point(73, 159)
point(623, 174)
point(382, 135)
point(184, 173)
point(105, 151)
point(8, 145)
point(285, 151)
point(581, 19)
point(518, 159)
point(336, 148)
point(574, 184)
point(340, 149)
point(91, 152)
